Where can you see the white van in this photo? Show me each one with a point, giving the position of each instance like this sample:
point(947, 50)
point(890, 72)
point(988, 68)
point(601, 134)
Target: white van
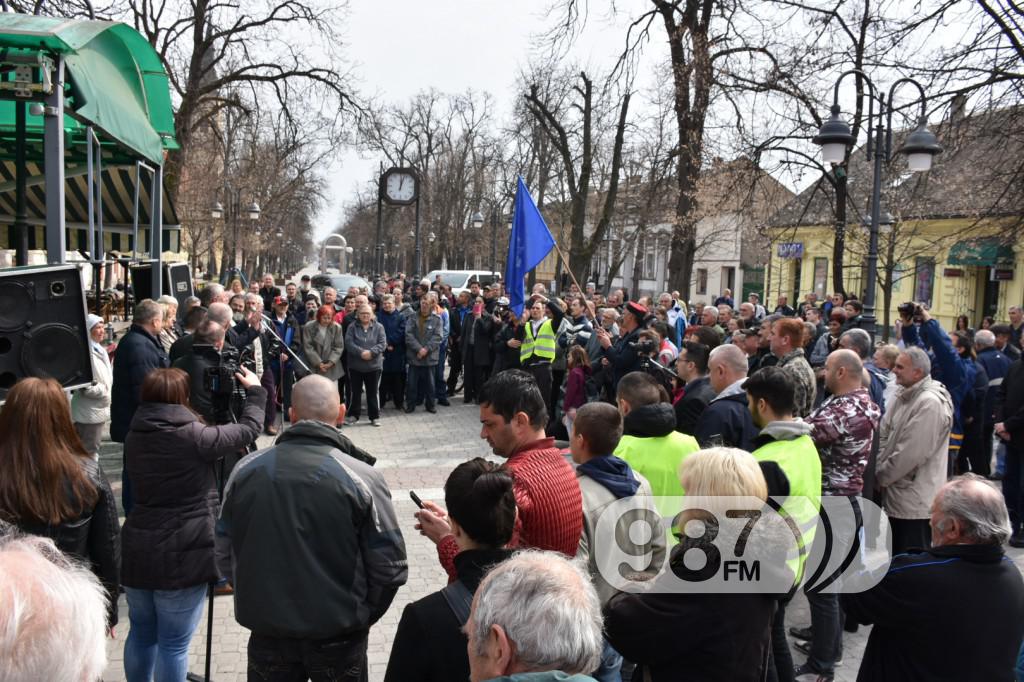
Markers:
point(459, 280)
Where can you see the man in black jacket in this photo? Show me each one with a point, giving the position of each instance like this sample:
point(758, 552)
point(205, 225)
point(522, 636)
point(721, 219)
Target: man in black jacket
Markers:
point(317, 552)
point(137, 354)
point(1009, 415)
point(964, 590)
point(726, 420)
point(692, 367)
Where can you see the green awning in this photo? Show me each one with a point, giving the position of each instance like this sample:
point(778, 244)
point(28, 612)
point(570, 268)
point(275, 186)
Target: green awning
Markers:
point(116, 83)
point(981, 252)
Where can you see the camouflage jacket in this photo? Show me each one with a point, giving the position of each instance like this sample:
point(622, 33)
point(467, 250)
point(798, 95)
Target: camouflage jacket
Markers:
point(843, 428)
point(797, 366)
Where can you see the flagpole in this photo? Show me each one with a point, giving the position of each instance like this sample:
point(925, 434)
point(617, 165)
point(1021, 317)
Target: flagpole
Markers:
point(567, 267)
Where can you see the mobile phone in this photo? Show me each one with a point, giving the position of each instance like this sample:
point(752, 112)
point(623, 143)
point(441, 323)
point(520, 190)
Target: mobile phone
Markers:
point(416, 499)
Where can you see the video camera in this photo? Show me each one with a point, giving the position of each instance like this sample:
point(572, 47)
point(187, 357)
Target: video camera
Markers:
point(911, 310)
point(227, 395)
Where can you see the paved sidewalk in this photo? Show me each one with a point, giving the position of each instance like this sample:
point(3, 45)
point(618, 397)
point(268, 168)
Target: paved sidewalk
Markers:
point(415, 452)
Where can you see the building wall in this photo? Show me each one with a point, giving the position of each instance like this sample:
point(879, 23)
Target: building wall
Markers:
point(951, 295)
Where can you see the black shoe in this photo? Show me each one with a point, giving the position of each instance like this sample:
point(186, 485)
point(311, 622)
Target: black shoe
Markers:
point(805, 648)
point(431, 409)
point(410, 410)
point(1017, 539)
point(850, 626)
point(444, 402)
point(806, 673)
point(805, 634)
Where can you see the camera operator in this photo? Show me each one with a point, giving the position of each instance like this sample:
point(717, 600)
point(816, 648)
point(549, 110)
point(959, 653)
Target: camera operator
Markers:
point(207, 342)
point(647, 348)
point(622, 356)
point(508, 337)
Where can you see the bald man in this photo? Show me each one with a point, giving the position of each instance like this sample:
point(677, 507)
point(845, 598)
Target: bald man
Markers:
point(726, 420)
point(842, 429)
point(318, 555)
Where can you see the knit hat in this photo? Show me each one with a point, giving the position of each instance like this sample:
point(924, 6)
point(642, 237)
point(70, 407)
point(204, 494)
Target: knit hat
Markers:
point(92, 320)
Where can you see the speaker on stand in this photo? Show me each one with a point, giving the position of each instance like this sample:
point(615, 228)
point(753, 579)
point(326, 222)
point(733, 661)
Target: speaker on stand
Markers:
point(42, 327)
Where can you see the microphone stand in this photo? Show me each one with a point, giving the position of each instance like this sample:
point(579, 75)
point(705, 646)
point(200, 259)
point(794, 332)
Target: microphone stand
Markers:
point(292, 354)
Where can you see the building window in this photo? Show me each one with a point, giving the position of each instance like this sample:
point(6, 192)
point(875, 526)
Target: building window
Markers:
point(924, 280)
point(702, 281)
point(650, 259)
point(729, 278)
point(820, 276)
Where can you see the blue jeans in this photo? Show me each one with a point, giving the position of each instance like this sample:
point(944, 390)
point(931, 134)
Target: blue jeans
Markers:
point(611, 665)
point(162, 624)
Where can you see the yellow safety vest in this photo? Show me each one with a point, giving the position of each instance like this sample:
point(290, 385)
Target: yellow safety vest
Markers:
point(543, 346)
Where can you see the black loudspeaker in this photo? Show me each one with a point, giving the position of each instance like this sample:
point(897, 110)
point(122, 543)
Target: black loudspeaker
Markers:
point(176, 282)
point(42, 326)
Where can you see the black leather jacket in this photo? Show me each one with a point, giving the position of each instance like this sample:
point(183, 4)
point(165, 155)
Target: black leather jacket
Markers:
point(93, 537)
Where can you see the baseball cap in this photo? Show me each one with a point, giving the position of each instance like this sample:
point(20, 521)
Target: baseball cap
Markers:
point(502, 301)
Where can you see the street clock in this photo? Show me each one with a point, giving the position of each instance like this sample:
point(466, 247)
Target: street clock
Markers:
point(399, 186)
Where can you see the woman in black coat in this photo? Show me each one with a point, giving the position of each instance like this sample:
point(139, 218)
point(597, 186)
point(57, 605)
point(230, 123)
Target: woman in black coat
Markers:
point(429, 645)
point(51, 486)
point(168, 538)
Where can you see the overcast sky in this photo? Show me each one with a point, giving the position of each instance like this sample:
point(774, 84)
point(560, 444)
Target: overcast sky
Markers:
point(404, 46)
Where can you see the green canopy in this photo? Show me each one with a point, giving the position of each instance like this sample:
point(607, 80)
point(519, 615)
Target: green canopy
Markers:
point(981, 252)
point(116, 83)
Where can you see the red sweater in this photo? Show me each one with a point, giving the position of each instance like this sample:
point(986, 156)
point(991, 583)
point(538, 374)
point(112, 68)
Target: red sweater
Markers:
point(548, 499)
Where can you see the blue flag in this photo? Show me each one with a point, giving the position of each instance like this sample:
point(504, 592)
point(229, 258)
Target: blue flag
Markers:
point(530, 243)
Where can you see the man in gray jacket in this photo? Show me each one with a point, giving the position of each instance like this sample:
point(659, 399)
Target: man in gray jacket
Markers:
point(317, 552)
point(422, 349)
point(911, 464)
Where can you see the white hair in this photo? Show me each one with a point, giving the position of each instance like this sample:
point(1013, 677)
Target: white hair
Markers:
point(919, 359)
point(983, 338)
point(53, 614)
point(980, 509)
point(547, 606)
point(167, 300)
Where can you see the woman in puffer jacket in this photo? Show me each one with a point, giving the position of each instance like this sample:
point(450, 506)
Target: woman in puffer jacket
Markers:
point(168, 537)
point(90, 406)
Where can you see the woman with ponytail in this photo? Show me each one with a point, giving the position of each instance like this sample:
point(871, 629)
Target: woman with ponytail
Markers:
point(429, 645)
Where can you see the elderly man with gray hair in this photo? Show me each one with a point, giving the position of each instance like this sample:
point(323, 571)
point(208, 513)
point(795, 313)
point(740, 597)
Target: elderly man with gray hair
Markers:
point(952, 612)
point(138, 353)
point(53, 614)
point(535, 618)
point(912, 456)
point(997, 366)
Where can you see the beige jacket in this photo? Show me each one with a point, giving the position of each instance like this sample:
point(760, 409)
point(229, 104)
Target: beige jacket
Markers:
point(596, 500)
point(913, 450)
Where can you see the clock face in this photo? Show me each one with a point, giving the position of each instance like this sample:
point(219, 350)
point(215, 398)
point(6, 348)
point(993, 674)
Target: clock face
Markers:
point(400, 187)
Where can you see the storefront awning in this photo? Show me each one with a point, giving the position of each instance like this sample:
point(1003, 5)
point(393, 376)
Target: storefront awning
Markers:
point(981, 252)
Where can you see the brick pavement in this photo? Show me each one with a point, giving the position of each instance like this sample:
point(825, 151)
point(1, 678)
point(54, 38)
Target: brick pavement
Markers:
point(415, 452)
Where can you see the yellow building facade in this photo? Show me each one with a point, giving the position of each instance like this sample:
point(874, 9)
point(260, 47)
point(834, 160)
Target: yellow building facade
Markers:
point(956, 266)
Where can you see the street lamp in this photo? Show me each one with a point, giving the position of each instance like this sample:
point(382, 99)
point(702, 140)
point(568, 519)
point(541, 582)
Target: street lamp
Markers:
point(477, 220)
point(230, 213)
point(920, 147)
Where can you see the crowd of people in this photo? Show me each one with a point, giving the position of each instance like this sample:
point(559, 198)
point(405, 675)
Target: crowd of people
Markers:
point(589, 400)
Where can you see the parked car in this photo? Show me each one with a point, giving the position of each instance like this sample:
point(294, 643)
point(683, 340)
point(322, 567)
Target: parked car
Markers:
point(341, 282)
point(458, 280)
